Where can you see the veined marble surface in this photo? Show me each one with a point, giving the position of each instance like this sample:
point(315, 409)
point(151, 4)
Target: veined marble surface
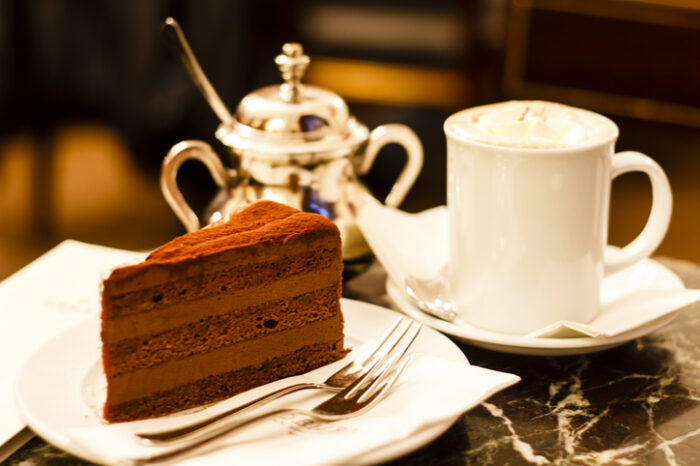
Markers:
point(637, 404)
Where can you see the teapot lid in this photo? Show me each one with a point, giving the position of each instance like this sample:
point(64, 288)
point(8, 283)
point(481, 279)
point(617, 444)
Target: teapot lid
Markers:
point(293, 118)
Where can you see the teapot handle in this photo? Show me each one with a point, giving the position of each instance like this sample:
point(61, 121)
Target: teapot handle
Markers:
point(404, 136)
point(178, 154)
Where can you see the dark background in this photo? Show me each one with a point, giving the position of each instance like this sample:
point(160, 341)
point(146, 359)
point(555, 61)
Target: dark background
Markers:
point(91, 100)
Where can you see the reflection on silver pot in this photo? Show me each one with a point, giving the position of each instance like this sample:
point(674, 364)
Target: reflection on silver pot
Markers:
point(295, 144)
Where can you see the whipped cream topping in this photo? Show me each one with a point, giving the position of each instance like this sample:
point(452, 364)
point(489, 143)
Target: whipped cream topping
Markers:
point(530, 124)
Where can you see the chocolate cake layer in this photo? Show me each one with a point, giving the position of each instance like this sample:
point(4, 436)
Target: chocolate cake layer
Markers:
point(300, 232)
point(216, 280)
point(218, 387)
point(221, 310)
point(170, 374)
point(210, 332)
point(174, 315)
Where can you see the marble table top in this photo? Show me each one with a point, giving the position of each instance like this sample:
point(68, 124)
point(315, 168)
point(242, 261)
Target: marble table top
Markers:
point(638, 403)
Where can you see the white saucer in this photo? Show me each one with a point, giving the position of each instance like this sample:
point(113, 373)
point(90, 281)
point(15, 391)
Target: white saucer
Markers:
point(646, 274)
point(57, 390)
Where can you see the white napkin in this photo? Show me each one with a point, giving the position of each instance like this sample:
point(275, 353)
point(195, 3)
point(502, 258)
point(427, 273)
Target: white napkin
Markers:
point(405, 244)
point(48, 296)
point(431, 390)
point(416, 244)
point(636, 307)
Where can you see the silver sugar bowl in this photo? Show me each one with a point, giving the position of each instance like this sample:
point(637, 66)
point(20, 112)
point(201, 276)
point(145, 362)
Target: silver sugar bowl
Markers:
point(292, 143)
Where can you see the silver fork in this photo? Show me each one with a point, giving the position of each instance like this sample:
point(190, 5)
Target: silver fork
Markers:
point(355, 399)
point(395, 340)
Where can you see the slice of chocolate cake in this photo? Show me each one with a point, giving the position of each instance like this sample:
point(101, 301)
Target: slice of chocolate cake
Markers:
point(221, 310)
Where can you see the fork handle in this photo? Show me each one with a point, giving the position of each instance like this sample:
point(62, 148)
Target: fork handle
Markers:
point(196, 429)
point(196, 445)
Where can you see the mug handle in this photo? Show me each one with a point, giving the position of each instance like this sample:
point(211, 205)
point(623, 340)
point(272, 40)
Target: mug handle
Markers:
point(404, 136)
point(178, 154)
point(659, 217)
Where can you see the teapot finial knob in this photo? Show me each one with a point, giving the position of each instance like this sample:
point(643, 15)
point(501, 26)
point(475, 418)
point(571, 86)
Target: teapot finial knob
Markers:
point(292, 64)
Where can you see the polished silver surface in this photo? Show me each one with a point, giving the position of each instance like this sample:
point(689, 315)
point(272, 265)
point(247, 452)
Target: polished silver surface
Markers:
point(306, 121)
point(430, 297)
point(396, 340)
point(355, 399)
point(292, 64)
point(295, 144)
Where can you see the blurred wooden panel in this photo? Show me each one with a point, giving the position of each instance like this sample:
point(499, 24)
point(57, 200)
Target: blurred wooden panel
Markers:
point(387, 83)
point(635, 58)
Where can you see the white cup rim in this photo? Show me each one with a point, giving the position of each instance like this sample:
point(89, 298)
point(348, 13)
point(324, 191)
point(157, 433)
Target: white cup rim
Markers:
point(450, 134)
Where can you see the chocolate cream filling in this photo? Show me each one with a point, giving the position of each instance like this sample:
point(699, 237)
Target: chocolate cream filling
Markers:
point(172, 316)
point(144, 382)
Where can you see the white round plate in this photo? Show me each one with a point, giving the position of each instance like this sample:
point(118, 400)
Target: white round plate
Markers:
point(56, 388)
point(646, 274)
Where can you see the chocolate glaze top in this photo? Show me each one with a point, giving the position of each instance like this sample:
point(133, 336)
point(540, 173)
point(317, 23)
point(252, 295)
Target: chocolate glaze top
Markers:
point(262, 222)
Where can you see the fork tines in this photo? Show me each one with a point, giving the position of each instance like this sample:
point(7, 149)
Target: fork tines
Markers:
point(386, 361)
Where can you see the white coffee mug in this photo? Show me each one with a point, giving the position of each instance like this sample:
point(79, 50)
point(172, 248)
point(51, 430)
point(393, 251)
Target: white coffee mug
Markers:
point(528, 202)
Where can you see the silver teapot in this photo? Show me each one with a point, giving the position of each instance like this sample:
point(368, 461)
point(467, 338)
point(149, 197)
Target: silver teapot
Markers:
point(292, 143)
